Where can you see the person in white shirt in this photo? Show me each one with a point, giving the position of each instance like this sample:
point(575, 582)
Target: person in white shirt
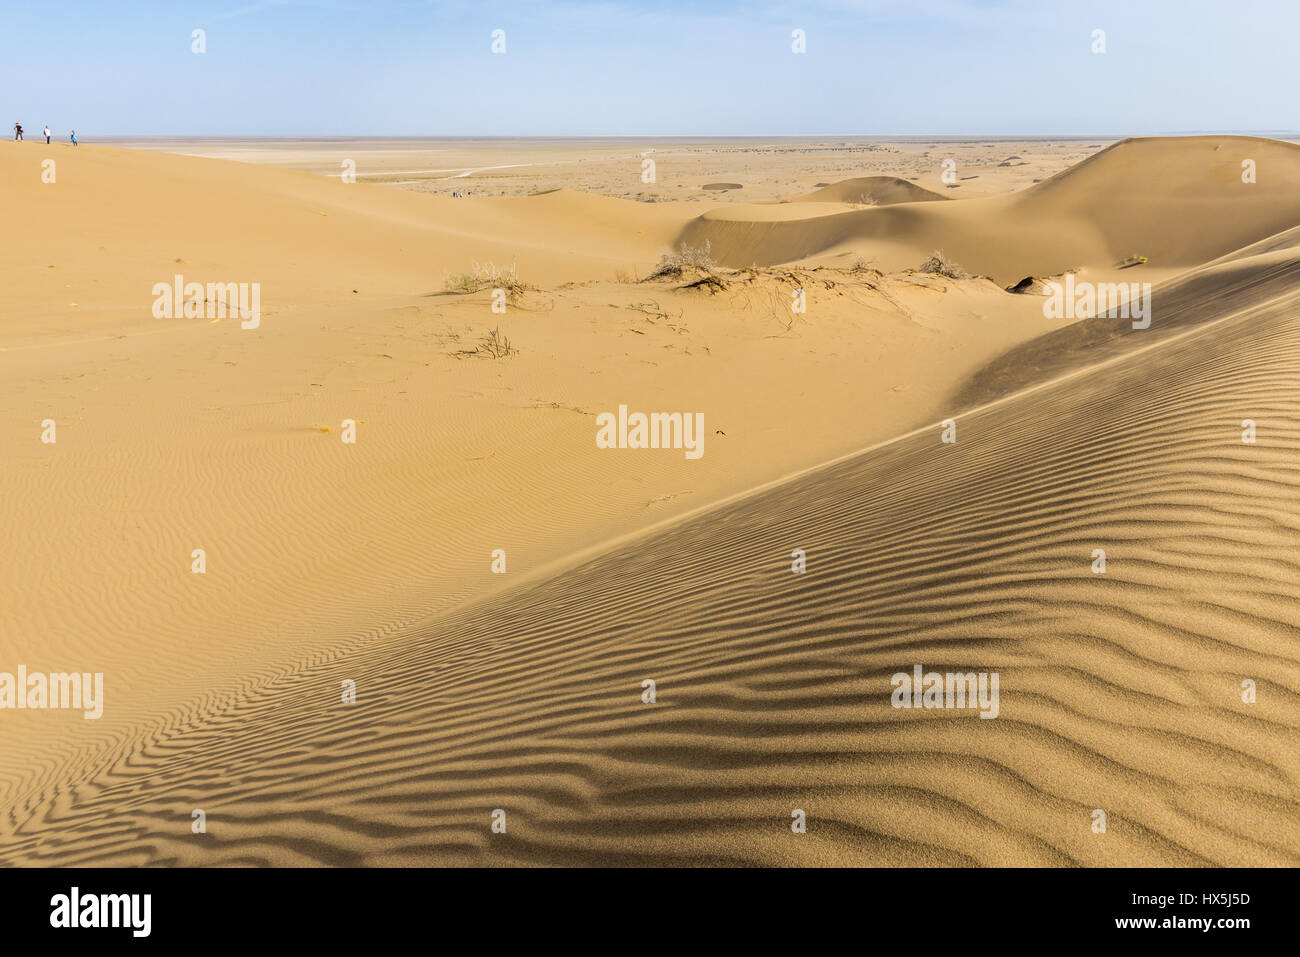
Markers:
point(47, 134)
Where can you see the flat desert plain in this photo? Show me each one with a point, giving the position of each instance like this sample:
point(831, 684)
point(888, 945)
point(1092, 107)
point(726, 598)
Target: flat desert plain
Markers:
point(365, 585)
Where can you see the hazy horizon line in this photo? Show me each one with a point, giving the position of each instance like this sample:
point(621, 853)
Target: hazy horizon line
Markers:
point(891, 137)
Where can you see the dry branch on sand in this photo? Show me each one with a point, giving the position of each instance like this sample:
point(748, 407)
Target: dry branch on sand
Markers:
point(492, 345)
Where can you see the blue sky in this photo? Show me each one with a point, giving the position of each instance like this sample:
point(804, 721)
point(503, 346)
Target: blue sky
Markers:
point(414, 68)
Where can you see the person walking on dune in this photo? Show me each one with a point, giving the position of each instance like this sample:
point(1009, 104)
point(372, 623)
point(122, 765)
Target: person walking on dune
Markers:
point(47, 134)
point(18, 132)
point(74, 137)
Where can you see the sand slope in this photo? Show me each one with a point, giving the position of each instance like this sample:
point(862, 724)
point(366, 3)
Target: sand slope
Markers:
point(1179, 202)
point(871, 191)
point(85, 250)
point(1119, 691)
point(1254, 275)
point(178, 434)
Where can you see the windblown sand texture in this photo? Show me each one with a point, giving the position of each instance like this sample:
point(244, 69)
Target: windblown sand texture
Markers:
point(523, 692)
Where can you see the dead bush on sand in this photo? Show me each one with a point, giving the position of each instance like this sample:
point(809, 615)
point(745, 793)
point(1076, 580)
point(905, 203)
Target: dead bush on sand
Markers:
point(673, 265)
point(940, 265)
point(489, 276)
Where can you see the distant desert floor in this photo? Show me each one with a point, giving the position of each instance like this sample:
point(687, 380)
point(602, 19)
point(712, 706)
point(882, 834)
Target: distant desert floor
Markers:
point(696, 170)
point(365, 588)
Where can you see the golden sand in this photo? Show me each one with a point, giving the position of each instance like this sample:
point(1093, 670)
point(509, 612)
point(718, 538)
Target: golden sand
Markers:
point(326, 561)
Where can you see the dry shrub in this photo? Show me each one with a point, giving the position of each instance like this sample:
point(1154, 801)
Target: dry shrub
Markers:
point(940, 265)
point(489, 276)
point(673, 265)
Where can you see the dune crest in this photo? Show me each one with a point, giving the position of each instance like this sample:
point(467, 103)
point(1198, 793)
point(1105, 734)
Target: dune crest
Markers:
point(871, 191)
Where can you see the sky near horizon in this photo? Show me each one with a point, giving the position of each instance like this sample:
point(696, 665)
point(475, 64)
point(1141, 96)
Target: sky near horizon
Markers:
point(573, 68)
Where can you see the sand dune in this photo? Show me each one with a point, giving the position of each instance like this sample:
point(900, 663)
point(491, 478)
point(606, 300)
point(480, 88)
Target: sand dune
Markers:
point(871, 191)
point(1255, 275)
point(1120, 691)
point(1179, 202)
point(87, 248)
point(181, 434)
